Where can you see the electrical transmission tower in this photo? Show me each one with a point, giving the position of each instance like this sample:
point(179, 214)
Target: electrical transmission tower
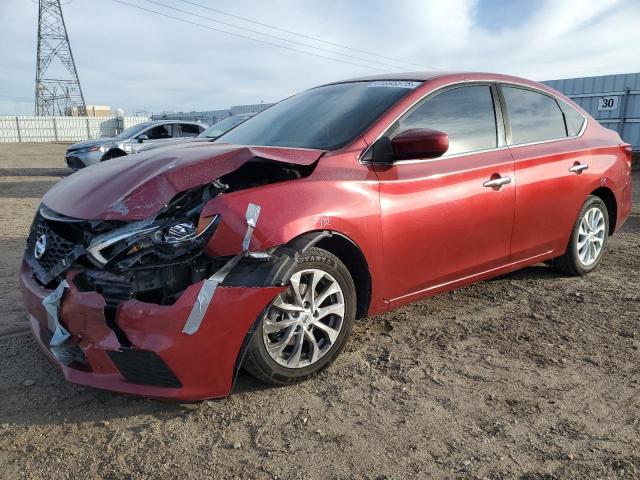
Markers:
point(58, 89)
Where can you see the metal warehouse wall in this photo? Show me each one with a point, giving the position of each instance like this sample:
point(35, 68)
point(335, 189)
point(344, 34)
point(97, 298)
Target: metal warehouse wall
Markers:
point(613, 100)
point(212, 116)
point(254, 108)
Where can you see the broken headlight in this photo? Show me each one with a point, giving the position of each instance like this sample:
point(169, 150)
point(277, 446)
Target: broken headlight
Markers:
point(145, 243)
point(175, 233)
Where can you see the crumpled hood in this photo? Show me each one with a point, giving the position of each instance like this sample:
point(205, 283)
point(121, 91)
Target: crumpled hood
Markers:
point(90, 143)
point(136, 187)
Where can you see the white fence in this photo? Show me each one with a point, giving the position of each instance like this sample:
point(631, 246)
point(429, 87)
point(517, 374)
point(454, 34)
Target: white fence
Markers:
point(62, 129)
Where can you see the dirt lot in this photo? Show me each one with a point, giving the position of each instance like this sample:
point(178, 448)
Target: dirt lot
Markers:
point(531, 376)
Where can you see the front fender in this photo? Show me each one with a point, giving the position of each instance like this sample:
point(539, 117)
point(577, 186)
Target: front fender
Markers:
point(290, 209)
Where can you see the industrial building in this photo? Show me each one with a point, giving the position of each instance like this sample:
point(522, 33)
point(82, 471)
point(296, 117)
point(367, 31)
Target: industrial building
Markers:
point(212, 116)
point(613, 100)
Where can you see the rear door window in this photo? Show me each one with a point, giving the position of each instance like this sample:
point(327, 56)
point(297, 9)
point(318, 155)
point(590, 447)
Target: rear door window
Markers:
point(189, 130)
point(533, 116)
point(466, 114)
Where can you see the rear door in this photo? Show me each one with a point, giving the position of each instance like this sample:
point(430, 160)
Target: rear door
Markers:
point(188, 130)
point(442, 221)
point(551, 172)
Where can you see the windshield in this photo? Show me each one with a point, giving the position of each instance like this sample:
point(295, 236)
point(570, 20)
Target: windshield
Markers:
point(222, 127)
point(131, 131)
point(324, 118)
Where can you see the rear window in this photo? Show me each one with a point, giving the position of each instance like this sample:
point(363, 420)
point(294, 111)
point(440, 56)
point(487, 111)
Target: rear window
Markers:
point(534, 117)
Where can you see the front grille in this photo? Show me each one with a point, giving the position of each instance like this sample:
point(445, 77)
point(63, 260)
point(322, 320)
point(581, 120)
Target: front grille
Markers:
point(74, 162)
point(144, 367)
point(59, 253)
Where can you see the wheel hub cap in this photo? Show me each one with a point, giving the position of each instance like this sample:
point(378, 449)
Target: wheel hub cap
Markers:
point(304, 322)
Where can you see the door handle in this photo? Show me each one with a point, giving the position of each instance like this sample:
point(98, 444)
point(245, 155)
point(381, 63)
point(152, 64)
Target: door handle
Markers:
point(497, 182)
point(579, 168)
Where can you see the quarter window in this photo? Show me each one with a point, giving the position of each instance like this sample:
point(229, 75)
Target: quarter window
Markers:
point(533, 116)
point(466, 114)
point(572, 118)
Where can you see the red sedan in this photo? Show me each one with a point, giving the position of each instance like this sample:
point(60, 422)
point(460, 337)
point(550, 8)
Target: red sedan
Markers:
point(162, 275)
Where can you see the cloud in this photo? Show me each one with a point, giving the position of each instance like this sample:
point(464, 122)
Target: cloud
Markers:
point(136, 60)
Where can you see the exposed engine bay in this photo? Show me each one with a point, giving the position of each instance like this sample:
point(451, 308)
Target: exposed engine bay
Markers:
point(143, 275)
point(151, 260)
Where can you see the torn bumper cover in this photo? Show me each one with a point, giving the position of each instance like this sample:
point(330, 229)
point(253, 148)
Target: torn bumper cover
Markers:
point(120, 287)
point(189, 350)
point(152, 357)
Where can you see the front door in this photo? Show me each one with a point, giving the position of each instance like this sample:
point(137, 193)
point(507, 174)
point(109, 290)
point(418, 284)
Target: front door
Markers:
point(157, 134)
point(448, 219)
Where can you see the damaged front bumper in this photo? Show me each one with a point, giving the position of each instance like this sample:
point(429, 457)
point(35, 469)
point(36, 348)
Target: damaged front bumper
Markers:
point(143, 349)
point(138, 306)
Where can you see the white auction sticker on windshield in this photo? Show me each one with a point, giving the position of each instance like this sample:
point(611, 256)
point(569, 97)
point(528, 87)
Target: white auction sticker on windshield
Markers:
point(394, 84)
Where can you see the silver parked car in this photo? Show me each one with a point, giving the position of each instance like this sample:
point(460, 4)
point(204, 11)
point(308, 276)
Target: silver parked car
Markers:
point(131, 140)
point(209, 135)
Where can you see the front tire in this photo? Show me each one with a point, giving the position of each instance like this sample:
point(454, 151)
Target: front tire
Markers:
point(588, 239)
point(306, 326)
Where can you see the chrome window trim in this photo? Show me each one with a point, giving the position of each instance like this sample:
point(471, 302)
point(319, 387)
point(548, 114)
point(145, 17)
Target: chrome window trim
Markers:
point(453, 155)
point(498, 83)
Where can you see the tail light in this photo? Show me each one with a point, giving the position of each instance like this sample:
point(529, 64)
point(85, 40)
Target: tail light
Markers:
point(627, 149)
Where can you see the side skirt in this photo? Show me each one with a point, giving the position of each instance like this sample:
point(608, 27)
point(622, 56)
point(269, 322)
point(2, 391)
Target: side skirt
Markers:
point(464, 281)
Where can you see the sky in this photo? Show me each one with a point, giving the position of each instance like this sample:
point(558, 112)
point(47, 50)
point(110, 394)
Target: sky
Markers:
point(142, 61)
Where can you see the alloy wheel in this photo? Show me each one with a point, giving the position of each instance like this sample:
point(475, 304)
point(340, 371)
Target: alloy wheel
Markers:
point(591, 235)
point(304, 322)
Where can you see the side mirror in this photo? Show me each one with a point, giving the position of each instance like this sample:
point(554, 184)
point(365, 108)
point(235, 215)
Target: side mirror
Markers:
point(419, 143)
point(142, 138)
point(410, 144)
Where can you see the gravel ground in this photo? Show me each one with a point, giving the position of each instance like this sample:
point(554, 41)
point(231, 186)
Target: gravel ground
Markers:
point(532, 375)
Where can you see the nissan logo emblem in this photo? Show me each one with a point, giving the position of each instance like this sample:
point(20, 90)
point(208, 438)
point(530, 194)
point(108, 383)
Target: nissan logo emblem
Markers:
point(41, 247)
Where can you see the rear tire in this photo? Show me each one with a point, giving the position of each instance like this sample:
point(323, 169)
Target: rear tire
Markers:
point(588, 239)
point(300, 335)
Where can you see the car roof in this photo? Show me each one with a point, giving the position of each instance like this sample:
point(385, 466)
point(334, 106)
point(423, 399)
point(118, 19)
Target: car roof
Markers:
point(160, 122)
point(426, 76)
point(407, 76)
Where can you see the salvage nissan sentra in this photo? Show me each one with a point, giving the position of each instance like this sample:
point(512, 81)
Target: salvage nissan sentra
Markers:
point(164, 274)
